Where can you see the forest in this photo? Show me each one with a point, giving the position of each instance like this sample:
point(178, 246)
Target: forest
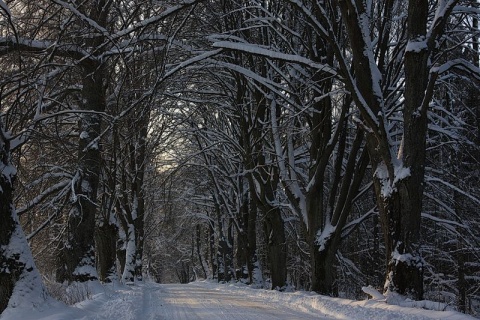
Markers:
point(322, 145)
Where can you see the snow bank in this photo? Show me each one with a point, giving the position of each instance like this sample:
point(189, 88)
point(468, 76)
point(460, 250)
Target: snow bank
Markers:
point(337, 308)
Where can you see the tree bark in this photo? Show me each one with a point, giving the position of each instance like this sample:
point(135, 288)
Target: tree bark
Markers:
point(140, 158)
point(276, 247)
point(273, 226)
point(106, 244)
point(212, 251)
point(401, 211)
point(198, 240)
point(76, 260)
point(77, 257)
point(254, 272)
point(247, 243)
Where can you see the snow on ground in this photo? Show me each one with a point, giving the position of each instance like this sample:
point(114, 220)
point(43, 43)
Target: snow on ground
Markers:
point(212, 301)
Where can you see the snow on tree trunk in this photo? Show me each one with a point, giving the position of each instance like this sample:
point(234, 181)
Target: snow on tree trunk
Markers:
point(323, 263)
point(401, 209)
point(77, 258)
point(225, 253)
point(138, 165)
point(400, 221)
point(128, 275)
point(138, 222)
point(20, 282)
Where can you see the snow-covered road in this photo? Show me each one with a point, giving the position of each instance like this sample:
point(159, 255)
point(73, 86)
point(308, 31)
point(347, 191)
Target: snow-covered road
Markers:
point(194, 302)
point(213, 301)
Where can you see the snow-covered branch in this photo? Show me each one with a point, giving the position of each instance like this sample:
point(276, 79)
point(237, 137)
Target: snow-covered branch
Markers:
point(274, 55)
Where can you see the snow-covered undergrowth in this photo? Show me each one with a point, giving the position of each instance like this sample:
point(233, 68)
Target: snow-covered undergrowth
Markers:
point(73, 293)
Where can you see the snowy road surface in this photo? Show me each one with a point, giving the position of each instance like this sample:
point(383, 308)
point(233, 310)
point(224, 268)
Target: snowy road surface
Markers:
point(213, 301)
point(194, 302)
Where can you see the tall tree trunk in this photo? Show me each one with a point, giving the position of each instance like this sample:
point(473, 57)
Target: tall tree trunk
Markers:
point(107, 231)
point(263, 183)
point(276, 247)
point(324, 271)
point(198, 240)
point(319, 266)
point(128, 275)
point(247, 244)
point(212, 251)
point(121, 249)
point(401, 210)
point(76, 261)
point(230, 270)
point(77, 257)
point(106, 249)
point(274, 229)
point(224, 251)
point(140, 158)
point(241, 273)
point(253, 267)
point(131, 202)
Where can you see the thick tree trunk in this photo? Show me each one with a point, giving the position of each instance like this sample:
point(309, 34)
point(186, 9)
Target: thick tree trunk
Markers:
point(198, 240)
point(76, 261)
point(222, 274)
point(140, 158)
point(106, 249)
point(400, 223)
point(242, 257)
point(253, 267)
point(121, 251)
point(401, 209)
point(77, 257)
point(139, 236)
point(225, 253)
point(106, 233)
point(241, 261)
point(276, 247)
point(229, 261)
point(247, 245)
point(315, 214)
point(8, 225)
point(273, 224)
point(324, 270)
point(128, 275)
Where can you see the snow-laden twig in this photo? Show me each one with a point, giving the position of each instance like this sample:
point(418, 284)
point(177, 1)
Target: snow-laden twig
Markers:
point(258, 50)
